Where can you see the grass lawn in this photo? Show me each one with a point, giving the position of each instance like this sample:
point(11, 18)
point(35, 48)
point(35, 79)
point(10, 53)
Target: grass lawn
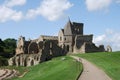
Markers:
point(61, 68)
point(109, 62)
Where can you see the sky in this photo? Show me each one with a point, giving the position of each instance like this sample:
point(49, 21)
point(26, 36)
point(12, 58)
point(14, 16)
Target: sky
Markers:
point(32, 18)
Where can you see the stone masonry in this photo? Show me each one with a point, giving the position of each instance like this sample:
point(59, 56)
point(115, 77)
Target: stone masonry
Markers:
point(70, 40)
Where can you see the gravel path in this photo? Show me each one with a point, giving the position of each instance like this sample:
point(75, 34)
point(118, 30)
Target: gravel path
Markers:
point(90, 71)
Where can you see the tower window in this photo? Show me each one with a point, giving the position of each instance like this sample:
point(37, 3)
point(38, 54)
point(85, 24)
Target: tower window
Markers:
point(65, 39)
point(60, 38)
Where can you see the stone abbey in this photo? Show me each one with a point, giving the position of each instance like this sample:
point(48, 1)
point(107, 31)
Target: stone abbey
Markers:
point(70, 40)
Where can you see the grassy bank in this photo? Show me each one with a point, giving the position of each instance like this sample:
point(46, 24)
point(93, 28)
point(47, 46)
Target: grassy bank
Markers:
point(109, 62)
point(61, 68)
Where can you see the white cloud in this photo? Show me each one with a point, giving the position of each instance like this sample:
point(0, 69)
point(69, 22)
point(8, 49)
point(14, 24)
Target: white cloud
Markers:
point(99, 39)
point(50, 9)
point(94, 5)
point(12, 3)
point(109, 38)
point(9, 14)
point(109, 31)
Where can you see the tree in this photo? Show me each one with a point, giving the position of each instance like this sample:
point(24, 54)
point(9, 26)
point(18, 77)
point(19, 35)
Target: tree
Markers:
point(10, 45)
point(7, 47)
point(1, 46)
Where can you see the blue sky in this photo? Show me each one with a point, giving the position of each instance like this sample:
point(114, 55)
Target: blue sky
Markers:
point(32, 18)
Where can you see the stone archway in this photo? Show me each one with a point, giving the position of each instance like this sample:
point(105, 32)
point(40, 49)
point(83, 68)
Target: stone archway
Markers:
point(32, 62)
point(25, 61)
point(33, 48)
point(67, 48)
point(109, 49)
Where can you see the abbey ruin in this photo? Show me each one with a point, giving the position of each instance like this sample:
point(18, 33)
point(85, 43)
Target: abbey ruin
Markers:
point(70, 40)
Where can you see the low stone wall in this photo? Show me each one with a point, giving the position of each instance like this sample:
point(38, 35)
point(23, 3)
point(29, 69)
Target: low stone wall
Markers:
point(87, 47)
point(24, 60)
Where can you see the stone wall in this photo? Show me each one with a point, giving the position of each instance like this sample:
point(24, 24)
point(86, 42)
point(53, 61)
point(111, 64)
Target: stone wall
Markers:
point(91, 47)
point(33, 48)
point(22, 46)
point(24, 60)
point(84, 38)
point(77, 28)
point(87, 47)
point(79, 48)
point(69, 40)
point(47, 50)
point(43, 38)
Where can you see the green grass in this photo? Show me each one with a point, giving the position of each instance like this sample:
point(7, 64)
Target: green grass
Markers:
point(109, 62)
point(55, 69)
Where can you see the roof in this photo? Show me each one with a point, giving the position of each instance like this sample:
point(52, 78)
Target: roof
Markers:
point(62, 30)
point(67, 28)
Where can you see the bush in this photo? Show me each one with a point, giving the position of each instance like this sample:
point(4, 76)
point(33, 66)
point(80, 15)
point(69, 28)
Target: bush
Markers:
point(3, 61)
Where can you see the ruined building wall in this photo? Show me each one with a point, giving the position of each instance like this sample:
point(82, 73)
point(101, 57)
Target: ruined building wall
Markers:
point(61, 37)
point(46, 50)
point(69, 40)
point(44, 37)
point(79, 46)
point(33, 48)
point(22, 46)
point(25, 60)
point(91, 47)
point(84, 44)
point(88, 47)
point(84, 38)
point(77, 28)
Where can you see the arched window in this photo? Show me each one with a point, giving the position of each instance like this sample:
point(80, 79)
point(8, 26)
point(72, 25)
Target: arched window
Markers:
point(32, 62)
point(60, 38)
point(65, 39)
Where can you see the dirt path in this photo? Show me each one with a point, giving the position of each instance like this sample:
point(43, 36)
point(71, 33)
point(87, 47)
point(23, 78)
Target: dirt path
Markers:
point(90, 71)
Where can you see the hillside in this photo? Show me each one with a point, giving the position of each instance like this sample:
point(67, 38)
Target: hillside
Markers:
point(61, 68)
point(109, 62)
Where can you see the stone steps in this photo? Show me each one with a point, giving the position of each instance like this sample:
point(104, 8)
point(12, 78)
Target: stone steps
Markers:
point(13, 74)
point(7, 74)
point(3, 72)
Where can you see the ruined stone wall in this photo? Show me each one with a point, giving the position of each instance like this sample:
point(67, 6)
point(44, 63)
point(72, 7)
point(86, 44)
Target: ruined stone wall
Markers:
point(24, 60)
point(77, 28)
point(88, 47)
point(80, 40)
point(80, 48)
point(43, 38)
point(33, 48)
point(61, 37)
point(47, 50)
point(22, 46)
point(84, 38)
point(91, 47)
point(52, 49)
point(68, 47)
point(70, 39)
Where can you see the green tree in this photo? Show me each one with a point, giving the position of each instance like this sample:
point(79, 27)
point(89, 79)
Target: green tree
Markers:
point(10, 45)
point(1, 45)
